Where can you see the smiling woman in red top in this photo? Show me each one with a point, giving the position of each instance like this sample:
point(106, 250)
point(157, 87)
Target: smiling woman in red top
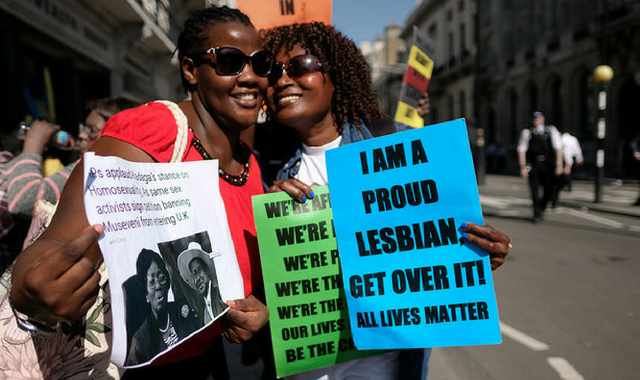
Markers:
point(225, 69)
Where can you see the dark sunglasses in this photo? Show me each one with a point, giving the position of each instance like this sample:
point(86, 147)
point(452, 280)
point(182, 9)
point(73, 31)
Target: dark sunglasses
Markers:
point(297, 66)
point(231, 61)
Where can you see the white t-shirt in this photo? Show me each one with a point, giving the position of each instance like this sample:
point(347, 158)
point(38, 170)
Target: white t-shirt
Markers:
point(313, 165)
point(571, 149)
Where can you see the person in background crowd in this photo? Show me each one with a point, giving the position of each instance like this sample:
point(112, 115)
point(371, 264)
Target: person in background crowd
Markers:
point(540, 158)
point(572, 154)
point(322, 90)
point(24, 173)
point(225, 69)
point(26, 182)
point(8, 245)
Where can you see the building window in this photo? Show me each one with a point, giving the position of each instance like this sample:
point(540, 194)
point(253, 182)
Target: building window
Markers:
point(532, 100)
point(484, 7)
point(433, 28)
point(450, 100)
point(463, 39)
point(451, 50)
point(514, 128)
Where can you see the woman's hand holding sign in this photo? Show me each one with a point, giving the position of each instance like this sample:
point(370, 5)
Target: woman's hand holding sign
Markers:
point(298, 190)
point(60, 284)
point(491, 240)
point(244, 319)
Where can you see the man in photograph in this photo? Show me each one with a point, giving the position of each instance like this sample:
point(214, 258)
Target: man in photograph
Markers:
point(198, 271)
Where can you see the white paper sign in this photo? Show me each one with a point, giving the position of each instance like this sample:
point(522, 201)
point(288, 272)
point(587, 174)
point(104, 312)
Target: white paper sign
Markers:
point(168, 251)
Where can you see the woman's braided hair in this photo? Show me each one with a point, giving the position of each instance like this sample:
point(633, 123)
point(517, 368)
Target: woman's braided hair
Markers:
point(194, 32)
point(354, 100)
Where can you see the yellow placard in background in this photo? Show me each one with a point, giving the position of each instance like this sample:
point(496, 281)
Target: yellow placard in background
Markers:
point(408, 115)
point(420, 61)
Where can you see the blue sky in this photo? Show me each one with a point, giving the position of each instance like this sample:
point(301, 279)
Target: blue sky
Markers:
point(366, 19)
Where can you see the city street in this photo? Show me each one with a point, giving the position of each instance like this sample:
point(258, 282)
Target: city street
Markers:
point(247, 83)
point(568, 294)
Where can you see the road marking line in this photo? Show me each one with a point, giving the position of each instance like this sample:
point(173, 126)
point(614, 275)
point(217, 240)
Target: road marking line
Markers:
point(564, 369)
point(523, 338)
point(518, 201)
point(502, 202)
point(597, 219)
point(492, 202)
point(509, 213)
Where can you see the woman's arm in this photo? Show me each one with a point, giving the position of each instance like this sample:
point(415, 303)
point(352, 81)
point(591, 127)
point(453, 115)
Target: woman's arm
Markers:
point(24, 172)
point(56, 279)
point(27, 186)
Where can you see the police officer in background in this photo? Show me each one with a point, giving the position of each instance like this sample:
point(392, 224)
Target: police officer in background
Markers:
point(540, 157)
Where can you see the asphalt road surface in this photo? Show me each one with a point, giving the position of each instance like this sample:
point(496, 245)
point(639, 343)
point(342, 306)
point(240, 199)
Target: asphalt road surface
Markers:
point(568, 298)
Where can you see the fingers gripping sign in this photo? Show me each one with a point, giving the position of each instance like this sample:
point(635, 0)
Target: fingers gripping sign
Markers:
point(295, 188)
point(244, 318)
point(495, 242)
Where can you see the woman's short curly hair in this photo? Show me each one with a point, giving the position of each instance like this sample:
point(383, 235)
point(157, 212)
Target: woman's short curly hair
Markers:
point(354, 100)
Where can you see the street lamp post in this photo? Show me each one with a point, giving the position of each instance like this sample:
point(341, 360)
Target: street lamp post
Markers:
point(603, 75)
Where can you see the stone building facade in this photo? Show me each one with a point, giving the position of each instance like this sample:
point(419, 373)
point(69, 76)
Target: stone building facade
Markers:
point(57, 54)
point(449, 24)
point(497, 61)
point(386, 58)
point(540, 55)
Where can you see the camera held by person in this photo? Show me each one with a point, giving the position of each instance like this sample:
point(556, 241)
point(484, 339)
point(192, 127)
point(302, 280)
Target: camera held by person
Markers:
point(45, 134)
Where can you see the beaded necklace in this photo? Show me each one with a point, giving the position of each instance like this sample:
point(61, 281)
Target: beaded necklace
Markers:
point(236, 180)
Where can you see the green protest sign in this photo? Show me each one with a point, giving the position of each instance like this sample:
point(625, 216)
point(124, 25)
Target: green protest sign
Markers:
point(303, 285)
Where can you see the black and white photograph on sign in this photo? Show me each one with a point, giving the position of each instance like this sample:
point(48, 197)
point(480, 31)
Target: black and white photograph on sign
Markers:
point(158, 317)
point(194, 258)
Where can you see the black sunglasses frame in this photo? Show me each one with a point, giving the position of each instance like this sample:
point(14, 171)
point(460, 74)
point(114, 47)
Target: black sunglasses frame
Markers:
point(292, 72)
point(219, 51)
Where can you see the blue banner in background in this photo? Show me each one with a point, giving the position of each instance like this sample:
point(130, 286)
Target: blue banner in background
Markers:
point(398, 203)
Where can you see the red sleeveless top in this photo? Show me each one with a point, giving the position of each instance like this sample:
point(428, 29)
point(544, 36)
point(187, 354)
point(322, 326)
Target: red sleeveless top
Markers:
point(152, 128)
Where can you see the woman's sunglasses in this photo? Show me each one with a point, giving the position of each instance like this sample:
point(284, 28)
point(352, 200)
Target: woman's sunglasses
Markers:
point(231, 61)
point(297, 66)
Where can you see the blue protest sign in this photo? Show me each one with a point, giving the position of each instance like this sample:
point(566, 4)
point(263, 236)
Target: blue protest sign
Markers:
point(398, 203)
